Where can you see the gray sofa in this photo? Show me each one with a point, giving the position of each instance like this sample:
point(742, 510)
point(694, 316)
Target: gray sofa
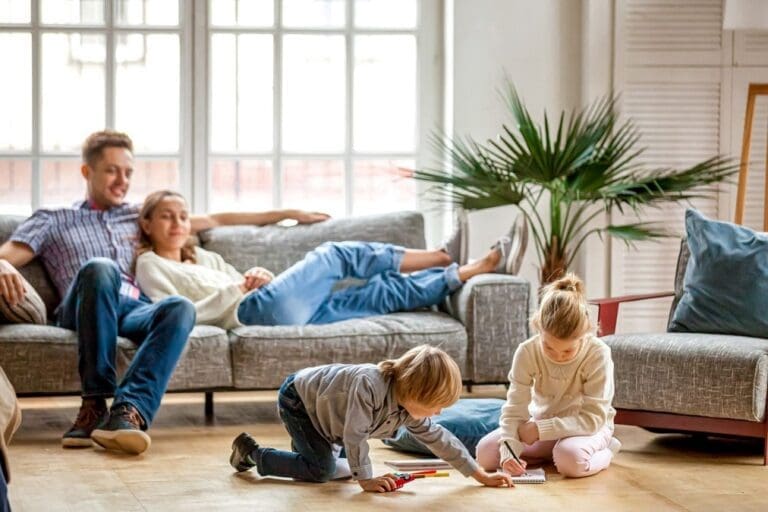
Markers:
point(693, 382)
point(488, 318)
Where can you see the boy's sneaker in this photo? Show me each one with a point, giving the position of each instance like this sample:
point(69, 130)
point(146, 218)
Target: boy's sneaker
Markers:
point(457, 245)
point(614, 446)
point(512, 247)
point(93, 411)
point(242, 447)
point(122, 431)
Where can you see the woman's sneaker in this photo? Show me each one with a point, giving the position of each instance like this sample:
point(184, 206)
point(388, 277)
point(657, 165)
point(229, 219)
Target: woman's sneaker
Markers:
point(123, 431)
point(457, 245)
point(512, 247)
point(242, 448)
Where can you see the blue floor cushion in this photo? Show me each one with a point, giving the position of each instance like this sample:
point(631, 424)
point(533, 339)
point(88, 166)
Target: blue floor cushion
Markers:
point(469, 419)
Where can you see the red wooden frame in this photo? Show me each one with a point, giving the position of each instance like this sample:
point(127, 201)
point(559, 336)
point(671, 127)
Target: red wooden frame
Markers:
point(608, 312)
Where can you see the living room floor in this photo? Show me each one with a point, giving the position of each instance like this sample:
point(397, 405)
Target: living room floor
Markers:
point(187, 469)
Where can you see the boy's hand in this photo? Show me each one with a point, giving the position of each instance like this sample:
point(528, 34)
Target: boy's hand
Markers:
point(494, 479)
point(513, 468)
point(528, 432)
point(384, 483)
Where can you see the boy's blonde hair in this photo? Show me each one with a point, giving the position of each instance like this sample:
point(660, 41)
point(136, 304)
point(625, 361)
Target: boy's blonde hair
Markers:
point(425, 375)
point(563, 309)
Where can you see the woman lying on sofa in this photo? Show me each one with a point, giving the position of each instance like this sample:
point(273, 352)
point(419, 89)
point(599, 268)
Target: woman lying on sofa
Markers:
point(167, 264)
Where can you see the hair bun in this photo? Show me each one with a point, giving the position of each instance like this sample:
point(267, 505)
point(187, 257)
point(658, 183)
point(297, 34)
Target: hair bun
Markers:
point(569, 283)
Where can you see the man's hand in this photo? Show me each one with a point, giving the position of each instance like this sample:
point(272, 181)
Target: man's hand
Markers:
point(11, 283)
point(528, 432)
point(493, 479)
point(384, 483)
point(256, 278)
point(303, 217)
point(513, 468)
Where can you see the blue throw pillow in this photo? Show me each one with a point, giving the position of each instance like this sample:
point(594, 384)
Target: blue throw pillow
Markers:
point(469, 419)
point(725, 289)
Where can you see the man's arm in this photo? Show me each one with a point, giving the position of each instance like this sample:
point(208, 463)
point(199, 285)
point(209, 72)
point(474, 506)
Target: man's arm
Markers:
point(203, 222)
point(13, 255)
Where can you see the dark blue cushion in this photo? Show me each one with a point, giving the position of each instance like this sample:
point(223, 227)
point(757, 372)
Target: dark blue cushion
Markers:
point(469, 420)
point(725, 289)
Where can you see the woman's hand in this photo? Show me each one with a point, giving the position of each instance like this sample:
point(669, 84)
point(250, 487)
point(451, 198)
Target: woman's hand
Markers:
point(303, 217)
point(513, 468)
point(493, 479)
point(384, 483)
point(256, 278)
point(528, 432)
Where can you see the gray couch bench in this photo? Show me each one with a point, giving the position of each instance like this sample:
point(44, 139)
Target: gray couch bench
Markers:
point(488, 318)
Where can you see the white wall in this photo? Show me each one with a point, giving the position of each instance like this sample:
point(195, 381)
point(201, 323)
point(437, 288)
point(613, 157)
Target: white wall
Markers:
point(537, 43)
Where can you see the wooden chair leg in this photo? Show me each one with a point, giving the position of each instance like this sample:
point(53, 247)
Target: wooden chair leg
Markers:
point(209, 405)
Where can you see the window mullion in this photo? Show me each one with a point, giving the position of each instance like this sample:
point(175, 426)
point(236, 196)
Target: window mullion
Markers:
point(277, 108)
point(36, 106)
point(109, 65)
point(349, 69)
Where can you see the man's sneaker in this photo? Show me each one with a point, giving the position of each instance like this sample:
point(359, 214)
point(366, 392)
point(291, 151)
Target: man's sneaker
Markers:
point(457, 245)
point(122, 431)
point(614, 446)
point(242, 447)
point(93, 411)
point(512, 247)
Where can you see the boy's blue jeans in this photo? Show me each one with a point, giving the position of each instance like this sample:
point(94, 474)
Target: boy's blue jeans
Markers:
point(313, 458)
point(98, 312)
point(304, 294)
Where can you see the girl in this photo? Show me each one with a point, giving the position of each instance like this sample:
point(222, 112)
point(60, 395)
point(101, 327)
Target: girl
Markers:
point(327, 407)
point(166, 265)
point(570, 373)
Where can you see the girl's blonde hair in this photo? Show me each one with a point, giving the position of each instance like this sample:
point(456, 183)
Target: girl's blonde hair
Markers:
point(563, 309)
point(425, 375)
point(144, 244)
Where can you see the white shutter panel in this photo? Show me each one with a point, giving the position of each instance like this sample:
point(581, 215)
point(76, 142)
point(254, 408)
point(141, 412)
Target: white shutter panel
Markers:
point(750, 48)
point(677, 113)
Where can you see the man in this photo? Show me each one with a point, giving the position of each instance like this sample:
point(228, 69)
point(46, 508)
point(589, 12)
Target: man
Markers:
point(87, 250)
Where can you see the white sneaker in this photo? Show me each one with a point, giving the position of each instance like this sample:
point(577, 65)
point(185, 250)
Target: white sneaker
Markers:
point(614, 446)
point(457, 245)
point(512, 247)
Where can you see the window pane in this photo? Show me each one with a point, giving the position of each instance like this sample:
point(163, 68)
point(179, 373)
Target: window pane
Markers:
point(72, 89)
point(14, 11)
point(385, 13)
point(314, 185)
point(87, 12)
point(147, 85)
point(151, 175)
point(385, 93)
point(15, 187)
point(245, 13)
point(241, 92)
point(380, 186)
point(148, 12)
point(241, 185)
point(313, 94)
point(62, 183)
point(314, 13)
point(16, 94)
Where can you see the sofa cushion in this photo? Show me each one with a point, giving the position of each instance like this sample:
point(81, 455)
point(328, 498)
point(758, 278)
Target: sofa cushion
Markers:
point(205, 362)
point(712, 375)
point(263, 356)
point(726, 282)
point(277, 247)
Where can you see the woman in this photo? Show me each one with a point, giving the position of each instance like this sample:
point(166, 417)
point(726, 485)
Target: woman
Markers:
point(167, 264)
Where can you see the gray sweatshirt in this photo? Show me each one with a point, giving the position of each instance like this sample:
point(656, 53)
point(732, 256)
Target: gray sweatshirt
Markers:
point(348, 404)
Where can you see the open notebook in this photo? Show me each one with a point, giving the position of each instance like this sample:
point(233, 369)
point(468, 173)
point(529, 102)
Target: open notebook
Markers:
point(532, 476)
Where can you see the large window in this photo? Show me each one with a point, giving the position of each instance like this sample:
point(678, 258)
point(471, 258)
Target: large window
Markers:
point(240, 104)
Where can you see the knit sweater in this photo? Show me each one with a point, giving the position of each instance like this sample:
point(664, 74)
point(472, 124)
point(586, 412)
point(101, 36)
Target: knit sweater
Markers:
point(212, 284)
point(572, 398)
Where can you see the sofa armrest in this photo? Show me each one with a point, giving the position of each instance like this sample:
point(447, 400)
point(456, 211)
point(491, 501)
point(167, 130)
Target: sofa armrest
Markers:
point(608, 309)
point(494, 309)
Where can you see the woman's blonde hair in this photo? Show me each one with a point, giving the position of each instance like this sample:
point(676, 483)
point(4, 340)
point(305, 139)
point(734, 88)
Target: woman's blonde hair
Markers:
point(563, 309)
point(144, 244)
point(425, 375)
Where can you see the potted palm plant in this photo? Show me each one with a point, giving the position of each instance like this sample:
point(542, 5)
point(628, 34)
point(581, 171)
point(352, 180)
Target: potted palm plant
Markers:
point(563, 175)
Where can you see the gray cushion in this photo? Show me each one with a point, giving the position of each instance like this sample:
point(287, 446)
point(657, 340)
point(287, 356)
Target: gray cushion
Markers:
point(205, 362)
point(277, 248)
point(718, 376)
point(264, 356)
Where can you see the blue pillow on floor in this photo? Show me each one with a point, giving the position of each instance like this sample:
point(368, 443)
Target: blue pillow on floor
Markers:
point(469, 419)
point(725, 289)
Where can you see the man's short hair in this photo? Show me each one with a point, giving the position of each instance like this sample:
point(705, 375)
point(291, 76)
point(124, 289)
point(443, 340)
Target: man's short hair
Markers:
point(96, 142)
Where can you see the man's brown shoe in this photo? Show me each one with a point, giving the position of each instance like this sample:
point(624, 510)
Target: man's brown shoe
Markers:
point(93, 411)
point(122, 432)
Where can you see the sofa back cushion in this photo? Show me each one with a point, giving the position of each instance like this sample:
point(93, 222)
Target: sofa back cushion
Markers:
point(33, 272)
point(682, 264)
point(277, 247)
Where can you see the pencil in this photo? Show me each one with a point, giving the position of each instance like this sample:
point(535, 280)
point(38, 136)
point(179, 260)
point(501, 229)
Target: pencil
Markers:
point(514, 456)
point(430, 475)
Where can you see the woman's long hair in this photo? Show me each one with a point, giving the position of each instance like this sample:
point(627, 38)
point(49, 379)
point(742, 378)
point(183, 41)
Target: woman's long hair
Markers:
point(144, 244)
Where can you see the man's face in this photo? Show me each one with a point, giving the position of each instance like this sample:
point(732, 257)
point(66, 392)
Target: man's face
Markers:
point(108, 180)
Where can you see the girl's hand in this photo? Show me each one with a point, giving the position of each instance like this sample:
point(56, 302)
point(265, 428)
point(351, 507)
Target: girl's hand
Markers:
point(513, 468)
point(384, 483)
point(494, 479)
point(256, 278)
point(528, 432)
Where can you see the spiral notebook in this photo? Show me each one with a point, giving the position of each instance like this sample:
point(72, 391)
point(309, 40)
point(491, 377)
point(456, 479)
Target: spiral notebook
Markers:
point(532, 476)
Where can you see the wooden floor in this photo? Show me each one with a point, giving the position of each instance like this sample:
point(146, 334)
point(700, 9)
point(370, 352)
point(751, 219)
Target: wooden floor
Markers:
point(186, 469)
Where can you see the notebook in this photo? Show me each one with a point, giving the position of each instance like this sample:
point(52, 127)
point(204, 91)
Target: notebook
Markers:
point(417, 464)
point(532, 476)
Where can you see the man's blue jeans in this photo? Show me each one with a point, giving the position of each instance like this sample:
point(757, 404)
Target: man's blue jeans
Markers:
point(313, 458)
point(98, 312)
point(304, 294)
